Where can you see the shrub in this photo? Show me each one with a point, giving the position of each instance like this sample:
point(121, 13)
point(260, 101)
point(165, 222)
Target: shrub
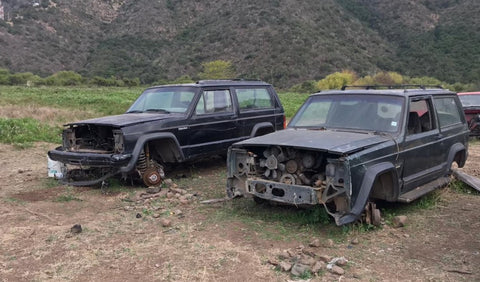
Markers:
point(308, 86)
point(64, 78)
point(218, 69)
point(337, 80)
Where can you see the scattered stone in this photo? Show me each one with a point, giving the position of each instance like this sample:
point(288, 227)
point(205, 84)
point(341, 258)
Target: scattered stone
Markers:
point(139, 215)
point(299, 269)
point(307, 260)
point(168, 182)
point(285, 266)
point(335, 269)
point(319, 265)
point(399, 221)
point(355, 241)
point(341, 261)
point(156, 215)
point(77, 228)
point(128, 208)
point(170, 195)
point(184, 201)
point(291, 253)
point(324, 258)
point(273, 262)
point(165, 222)
point(153, 189)
point(309, 252)
point(330, 243)
point(315, 243)
point(178, 212)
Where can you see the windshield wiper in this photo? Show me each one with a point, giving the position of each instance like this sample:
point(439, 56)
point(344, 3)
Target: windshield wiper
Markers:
point(157, 110)
point(134, 111)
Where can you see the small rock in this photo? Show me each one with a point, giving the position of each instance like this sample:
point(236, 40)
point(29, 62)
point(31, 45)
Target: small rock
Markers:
point(21, 171)
point(291, 253)
point(168, 182)
point(128, 208)
point(299, 269)
point(399, 221)
point(319, 265)
point(330, 243)
point(165, 222)
point(315, 243)
point(184, 201)
point(170, 195)
point(139, 215)
point(307, 260)
point(355, 241)
point(77, 228)
point(285, 266)
point(178, 212)
point(337, 270)
point(341, 262)
point(273, 262)
point(153, 190)
point(324, 258)
point(156, 215)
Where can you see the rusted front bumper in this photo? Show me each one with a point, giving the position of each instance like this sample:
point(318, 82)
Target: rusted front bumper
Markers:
point(89, 159)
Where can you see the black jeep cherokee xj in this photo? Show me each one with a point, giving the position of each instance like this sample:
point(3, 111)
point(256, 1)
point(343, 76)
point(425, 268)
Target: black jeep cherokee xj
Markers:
point(345, 149)
point(168, 124)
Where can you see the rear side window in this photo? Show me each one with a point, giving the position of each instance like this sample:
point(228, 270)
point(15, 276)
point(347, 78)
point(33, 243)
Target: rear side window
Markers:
point(214, 101)
point(447, 111)
point(254, 98)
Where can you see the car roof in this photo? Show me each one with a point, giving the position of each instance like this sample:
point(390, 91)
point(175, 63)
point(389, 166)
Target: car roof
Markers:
point(392, 92)
point(469, 93)
point(217, 82)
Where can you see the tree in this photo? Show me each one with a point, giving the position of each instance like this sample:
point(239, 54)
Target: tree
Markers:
point(218, 69)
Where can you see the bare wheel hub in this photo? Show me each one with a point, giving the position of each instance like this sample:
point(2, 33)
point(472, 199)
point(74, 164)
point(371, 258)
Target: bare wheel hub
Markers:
point(151, 177)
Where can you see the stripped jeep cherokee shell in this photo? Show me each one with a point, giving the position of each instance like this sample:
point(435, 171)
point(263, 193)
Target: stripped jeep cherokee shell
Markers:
point(166, 125)
point(345, 149)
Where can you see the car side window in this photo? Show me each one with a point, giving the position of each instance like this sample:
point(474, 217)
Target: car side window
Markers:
point(447, 111)
point(420, 116)
point(253, 98)
point(214, 101)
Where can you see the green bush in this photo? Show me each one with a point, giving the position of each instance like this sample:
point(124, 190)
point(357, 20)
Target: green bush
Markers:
point(64, 78)
point(23, 78)
point(309, 86)
point(218, 69)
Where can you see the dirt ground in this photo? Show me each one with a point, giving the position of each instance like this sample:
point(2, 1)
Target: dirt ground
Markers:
point(124, 240)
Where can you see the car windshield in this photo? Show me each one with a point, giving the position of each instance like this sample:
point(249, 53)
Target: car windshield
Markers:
point(379, 113)
point(164, 100)
point(470, 100)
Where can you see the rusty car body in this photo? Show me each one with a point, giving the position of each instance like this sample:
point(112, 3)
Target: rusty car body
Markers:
point(471, 107)
point(345, 149)
point(167, 125)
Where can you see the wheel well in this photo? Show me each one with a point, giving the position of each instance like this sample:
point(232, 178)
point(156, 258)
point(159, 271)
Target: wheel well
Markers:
point(460, 158)
point(384, 187)
point(263, 131)
point(164, 150)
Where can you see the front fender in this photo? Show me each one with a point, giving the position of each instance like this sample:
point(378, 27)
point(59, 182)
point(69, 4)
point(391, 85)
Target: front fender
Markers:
point(260, 126)
point(146, 138)
point(367, 184)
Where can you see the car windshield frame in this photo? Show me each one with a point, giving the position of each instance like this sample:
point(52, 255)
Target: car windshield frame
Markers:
point(467, 100)
point(331, 112)
point(175, 99)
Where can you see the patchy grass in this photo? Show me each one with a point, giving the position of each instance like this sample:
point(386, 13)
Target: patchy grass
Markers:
point(460, 187)
point(24, 131)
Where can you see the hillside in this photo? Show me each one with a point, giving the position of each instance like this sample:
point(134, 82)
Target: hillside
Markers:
point(281, 41)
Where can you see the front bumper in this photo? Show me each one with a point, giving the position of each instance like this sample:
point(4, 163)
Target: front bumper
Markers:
point(283, 193)
point(90, 159)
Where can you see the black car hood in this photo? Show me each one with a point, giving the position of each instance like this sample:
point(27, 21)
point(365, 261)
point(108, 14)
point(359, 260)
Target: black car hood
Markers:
point(126, 119)
point(339, 142)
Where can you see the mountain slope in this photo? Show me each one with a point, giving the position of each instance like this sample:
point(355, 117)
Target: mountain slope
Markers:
point(281, 41)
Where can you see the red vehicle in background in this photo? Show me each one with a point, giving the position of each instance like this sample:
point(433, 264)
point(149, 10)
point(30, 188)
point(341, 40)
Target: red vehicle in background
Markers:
point(471, 107)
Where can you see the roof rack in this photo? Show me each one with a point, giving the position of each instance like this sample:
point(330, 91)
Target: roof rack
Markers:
point(397, 86)
point(225, 80)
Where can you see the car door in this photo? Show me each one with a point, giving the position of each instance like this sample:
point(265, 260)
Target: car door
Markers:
point(422, 153)
point(213, 126)
point(257, 108)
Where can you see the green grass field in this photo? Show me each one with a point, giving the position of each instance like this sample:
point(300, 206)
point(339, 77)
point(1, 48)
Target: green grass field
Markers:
point(29, 114)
